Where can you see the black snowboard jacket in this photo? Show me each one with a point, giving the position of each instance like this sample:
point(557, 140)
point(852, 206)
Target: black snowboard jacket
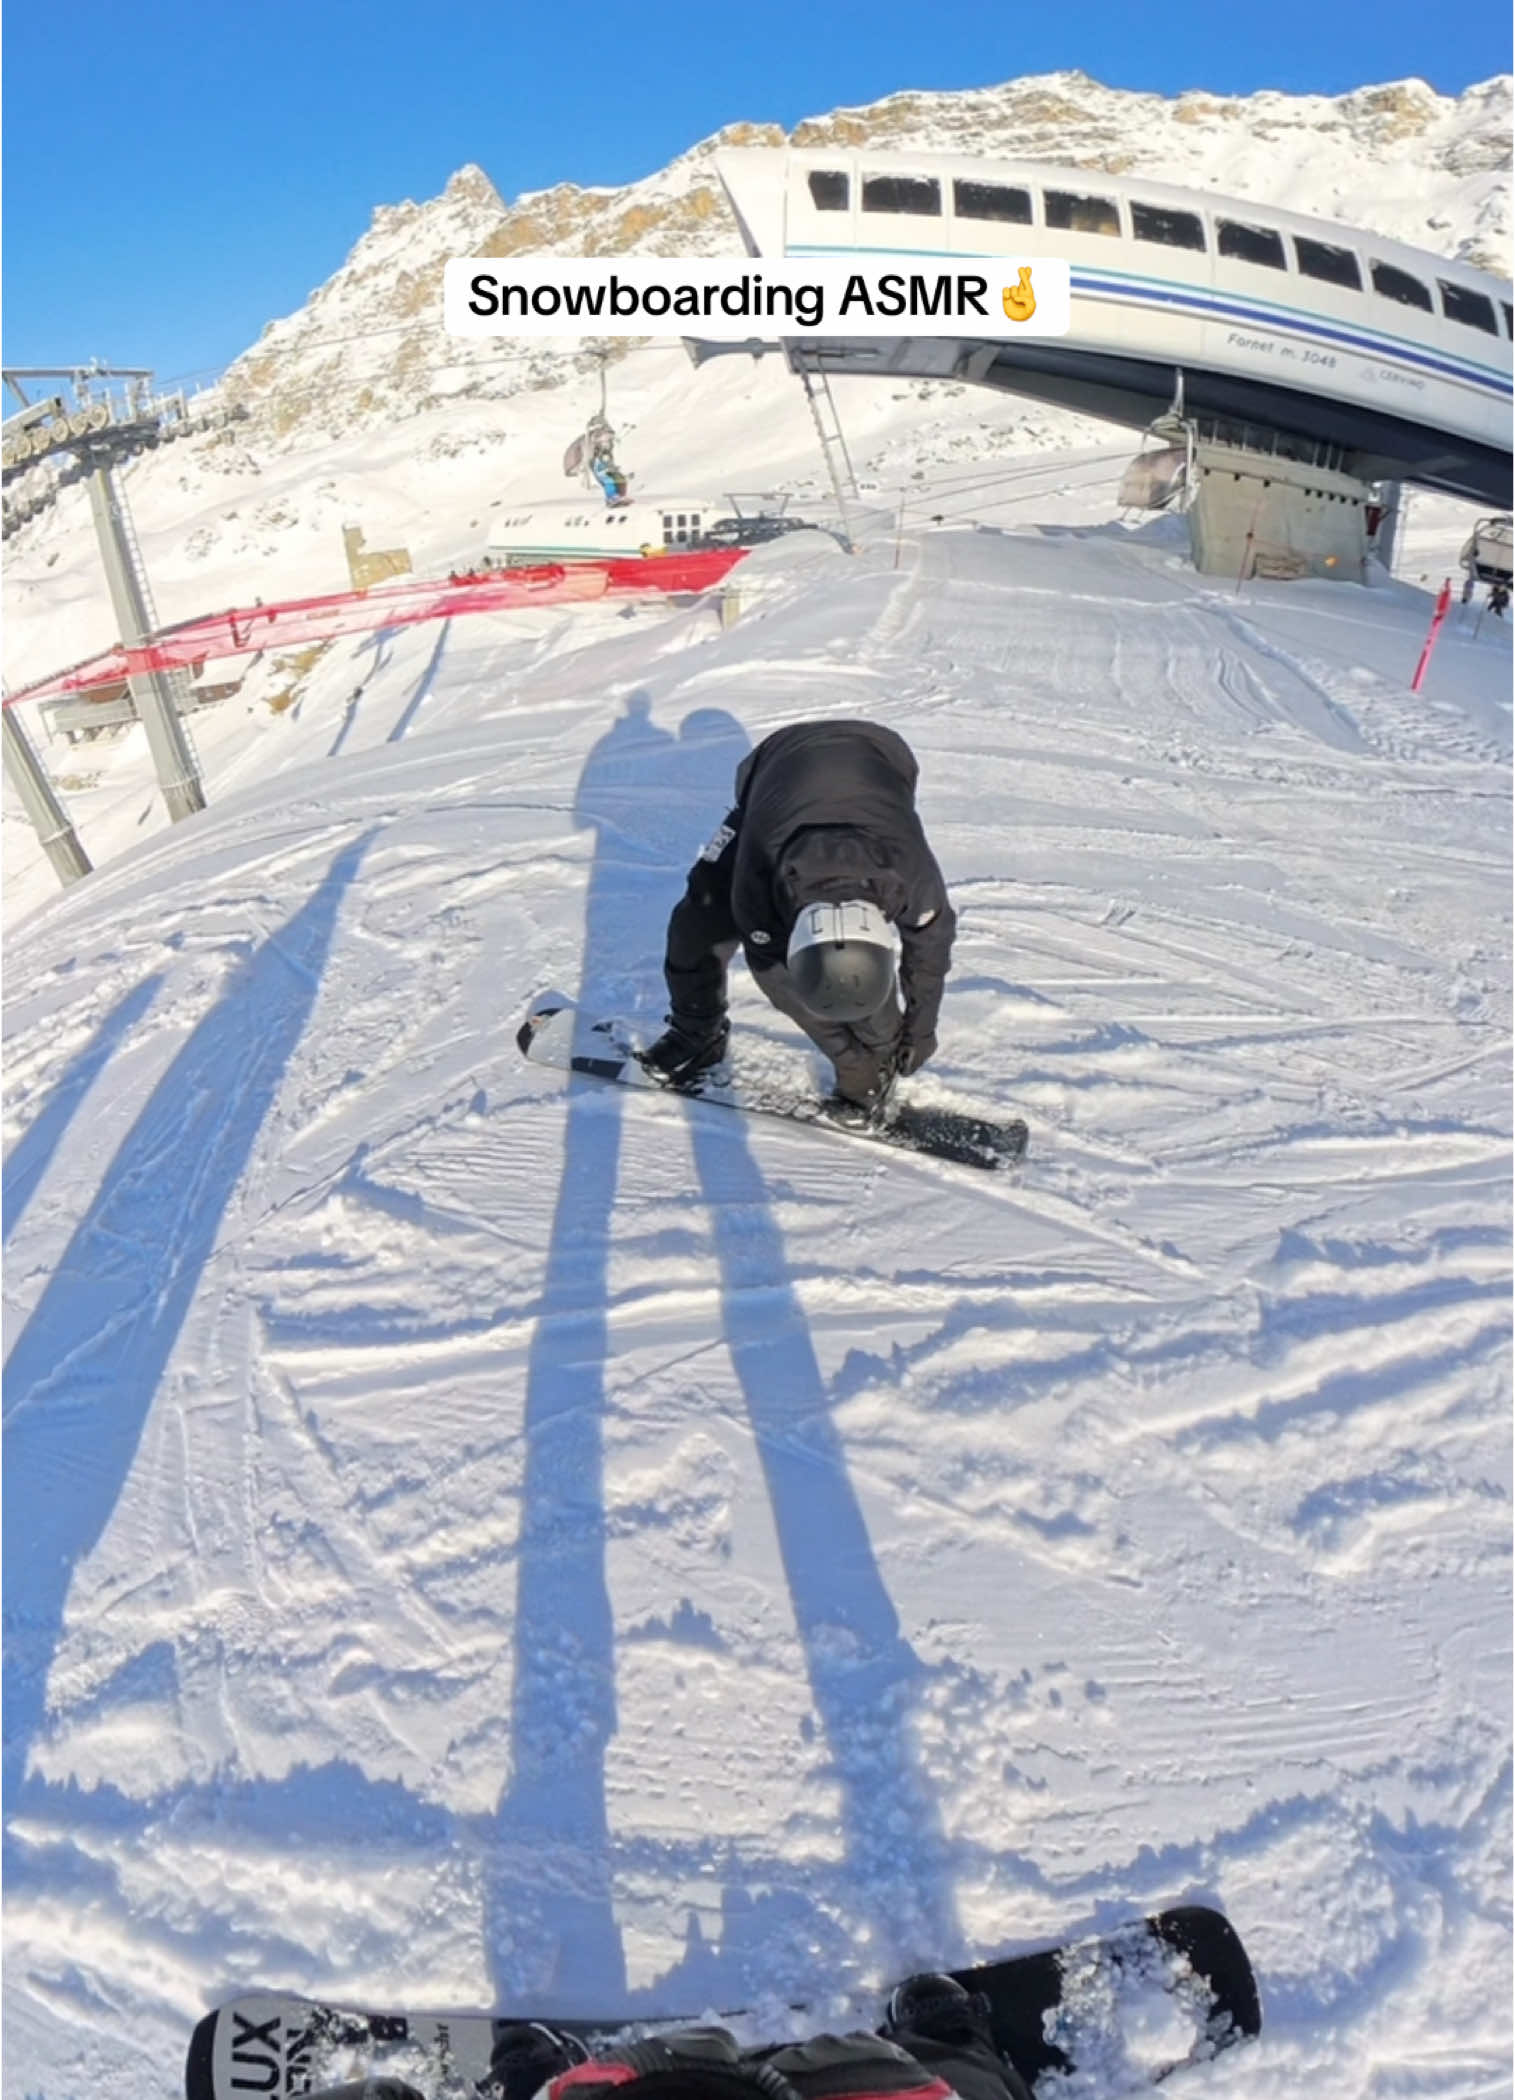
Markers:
point(826, 811)
point(707, 2064)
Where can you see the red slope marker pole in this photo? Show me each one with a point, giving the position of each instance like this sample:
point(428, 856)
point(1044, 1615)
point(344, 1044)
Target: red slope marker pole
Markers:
point(1443, 603)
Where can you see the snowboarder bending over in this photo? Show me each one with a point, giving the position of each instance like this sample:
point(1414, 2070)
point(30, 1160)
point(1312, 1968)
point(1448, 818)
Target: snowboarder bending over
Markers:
point(822, 875)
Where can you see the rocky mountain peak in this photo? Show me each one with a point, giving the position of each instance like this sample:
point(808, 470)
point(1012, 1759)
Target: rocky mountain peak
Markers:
point(367, 346)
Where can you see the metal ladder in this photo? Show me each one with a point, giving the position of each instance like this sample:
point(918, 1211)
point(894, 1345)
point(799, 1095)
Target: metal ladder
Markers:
point(828, 428)
point(174, 682)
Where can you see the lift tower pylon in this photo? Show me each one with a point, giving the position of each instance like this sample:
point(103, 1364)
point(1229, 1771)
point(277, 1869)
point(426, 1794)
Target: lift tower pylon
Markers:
point(156, 693)
point(49, 819)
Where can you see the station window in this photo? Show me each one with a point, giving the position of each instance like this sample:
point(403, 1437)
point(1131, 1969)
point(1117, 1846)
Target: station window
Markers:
point(1251, 244)
point(1400, 286)
point(1509, 316)
point(1174, 229)
point(916, 195)
point(1471, 308)
point(1074, 214)
point(991, 200)
point(1331, 265)
point(830, 189)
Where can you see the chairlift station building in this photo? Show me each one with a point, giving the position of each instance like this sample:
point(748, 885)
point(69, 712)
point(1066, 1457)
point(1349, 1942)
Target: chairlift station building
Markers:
point(1309, 361)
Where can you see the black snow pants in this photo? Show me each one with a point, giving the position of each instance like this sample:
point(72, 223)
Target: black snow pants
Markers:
point(703, 936)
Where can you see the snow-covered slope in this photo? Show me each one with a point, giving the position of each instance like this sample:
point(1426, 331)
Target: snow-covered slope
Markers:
point(274, 530)
point(467, 1540)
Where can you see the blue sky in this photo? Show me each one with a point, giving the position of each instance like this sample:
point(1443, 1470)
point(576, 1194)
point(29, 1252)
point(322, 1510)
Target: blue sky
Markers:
point(175, 176)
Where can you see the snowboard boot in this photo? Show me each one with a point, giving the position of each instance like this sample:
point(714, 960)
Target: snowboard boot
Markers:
point(939, 2008)
point(691, 1044)
point(526, 2055)
point(863, 1088)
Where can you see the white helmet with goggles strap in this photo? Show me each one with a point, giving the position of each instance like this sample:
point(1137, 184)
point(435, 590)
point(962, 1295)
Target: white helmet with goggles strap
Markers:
point(841, 959)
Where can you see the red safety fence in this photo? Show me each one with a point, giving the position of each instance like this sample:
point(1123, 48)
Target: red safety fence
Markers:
point(248, 629)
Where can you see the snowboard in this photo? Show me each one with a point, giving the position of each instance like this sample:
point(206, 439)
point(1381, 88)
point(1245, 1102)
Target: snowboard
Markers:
point(1121, 2012)
point(560, 1033)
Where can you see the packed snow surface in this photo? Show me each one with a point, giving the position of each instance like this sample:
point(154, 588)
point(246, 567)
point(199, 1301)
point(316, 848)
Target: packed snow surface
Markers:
point(471, 1539)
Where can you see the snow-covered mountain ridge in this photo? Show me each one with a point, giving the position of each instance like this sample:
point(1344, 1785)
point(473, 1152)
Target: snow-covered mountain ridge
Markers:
point(361, 409)
point(1429, 169)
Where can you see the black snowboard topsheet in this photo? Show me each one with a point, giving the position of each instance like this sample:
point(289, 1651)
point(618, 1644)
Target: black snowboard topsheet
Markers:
point(271, 2043)
point(1023, 1991)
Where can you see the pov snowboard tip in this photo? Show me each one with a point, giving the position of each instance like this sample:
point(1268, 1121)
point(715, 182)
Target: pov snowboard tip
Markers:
point(1077, 2009)
point(1051, 2011)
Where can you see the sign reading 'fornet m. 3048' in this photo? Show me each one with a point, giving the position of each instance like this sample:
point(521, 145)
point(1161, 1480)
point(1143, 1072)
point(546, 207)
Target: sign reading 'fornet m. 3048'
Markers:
point(729, 298)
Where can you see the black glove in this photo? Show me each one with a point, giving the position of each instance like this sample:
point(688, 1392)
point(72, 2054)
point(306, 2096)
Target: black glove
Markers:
point(913, 1052)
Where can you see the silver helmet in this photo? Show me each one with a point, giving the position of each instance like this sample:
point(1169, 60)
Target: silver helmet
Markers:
point(841, 959)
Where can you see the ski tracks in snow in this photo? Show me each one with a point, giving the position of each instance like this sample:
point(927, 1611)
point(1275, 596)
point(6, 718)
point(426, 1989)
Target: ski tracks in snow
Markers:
point(576, 1537)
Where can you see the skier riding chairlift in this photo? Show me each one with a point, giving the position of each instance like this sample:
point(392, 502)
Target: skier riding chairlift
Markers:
point(599, 445)
point(612, 481)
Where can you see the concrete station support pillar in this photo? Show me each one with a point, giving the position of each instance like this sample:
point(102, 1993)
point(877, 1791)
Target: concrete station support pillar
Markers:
point(1259, 514)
